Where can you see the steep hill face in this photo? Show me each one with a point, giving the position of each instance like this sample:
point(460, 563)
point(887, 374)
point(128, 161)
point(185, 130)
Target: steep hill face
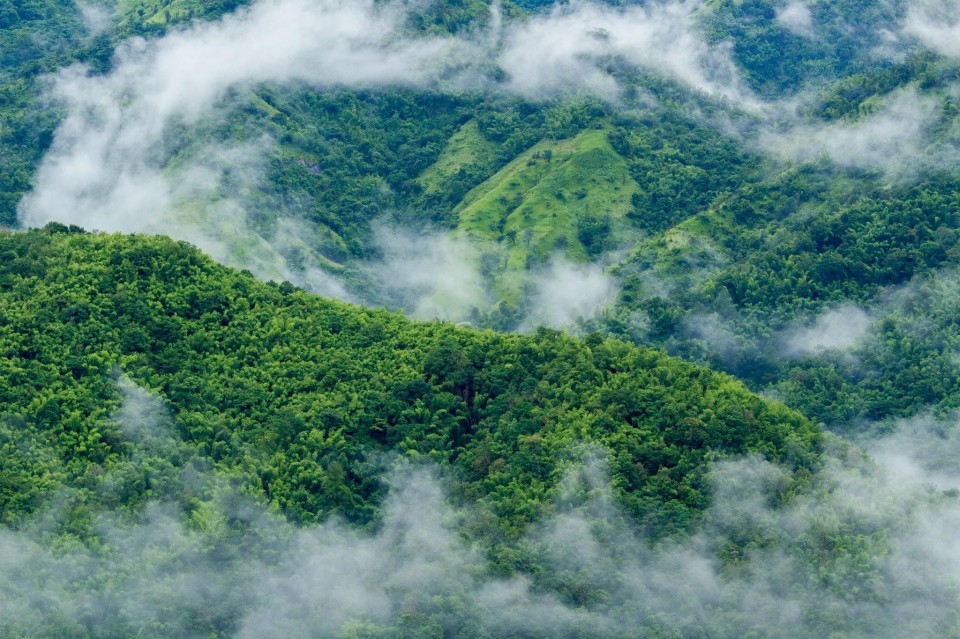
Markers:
point(314, 391)
point(767, 188)
point(149, 392)
point(531, 212)
point(778, 172)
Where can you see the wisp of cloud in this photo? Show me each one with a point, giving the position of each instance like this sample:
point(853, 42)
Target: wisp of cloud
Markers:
point(111, 166)
point(118, 163)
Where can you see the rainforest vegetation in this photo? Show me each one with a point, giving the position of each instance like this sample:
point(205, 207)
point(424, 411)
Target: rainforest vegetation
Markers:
point(492, 315)
point(303, 402)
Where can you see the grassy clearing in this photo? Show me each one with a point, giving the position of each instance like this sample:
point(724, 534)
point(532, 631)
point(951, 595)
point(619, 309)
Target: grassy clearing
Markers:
point(467, 147)
point(539, 204)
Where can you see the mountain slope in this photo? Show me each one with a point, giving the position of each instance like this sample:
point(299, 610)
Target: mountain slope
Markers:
point(541, 203)
point(301, 384)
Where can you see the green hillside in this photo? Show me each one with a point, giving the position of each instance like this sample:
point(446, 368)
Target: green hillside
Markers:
point(741, 216)
point(251, 370)
point(693, 204)
point(766, 262)
point(301, 403)
point(566, 198)
point(465, 151)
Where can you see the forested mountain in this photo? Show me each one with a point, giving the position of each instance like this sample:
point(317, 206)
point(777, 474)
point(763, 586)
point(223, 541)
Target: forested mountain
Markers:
point(304, 403)
point(765, 189)
point(256, 371)
point(683, 208)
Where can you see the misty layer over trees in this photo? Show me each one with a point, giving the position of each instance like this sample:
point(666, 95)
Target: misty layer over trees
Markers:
point(766, 189)
point(319, 469)
point(288, 404)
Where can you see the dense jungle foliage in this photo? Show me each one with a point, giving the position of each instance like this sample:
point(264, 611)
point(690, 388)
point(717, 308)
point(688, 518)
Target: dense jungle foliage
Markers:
point(302, 403)
point(740, 262)
point(309, 389)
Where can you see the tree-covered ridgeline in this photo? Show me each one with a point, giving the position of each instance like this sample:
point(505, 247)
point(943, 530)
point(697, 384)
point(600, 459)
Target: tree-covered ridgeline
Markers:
point(706, 223)
point(301, 395)
point(147, 389)
point(178, 441)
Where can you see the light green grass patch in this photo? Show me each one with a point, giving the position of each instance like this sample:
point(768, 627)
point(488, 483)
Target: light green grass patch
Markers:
point(466, 147)
point(157, 12)
point(530, 209)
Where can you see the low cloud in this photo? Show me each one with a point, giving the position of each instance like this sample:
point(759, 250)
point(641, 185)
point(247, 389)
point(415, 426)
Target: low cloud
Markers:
point(569, 48)
point(430, 275)
point(720, 337)
point(892, 139)
point(921, 450)
point(114, 162)
point(796, 18)
point(840, 329)
point(566, 292)
point(869, 539)
point(96, 17)
point(936, 23)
